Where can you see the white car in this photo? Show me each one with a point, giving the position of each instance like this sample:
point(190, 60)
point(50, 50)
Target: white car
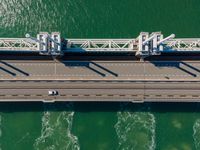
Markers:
point(52, 92)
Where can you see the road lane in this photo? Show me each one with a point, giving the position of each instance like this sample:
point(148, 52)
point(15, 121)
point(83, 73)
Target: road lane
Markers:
point(98, 85)
point(97, 91)
point(99, 70)
point(100, 80)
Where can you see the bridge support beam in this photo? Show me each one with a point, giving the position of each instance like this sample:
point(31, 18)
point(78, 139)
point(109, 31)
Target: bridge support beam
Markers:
point(151, 45)
point(44, 47)
point(49, 44)
point(155, 47)
point(143, 47)
point(56, 44)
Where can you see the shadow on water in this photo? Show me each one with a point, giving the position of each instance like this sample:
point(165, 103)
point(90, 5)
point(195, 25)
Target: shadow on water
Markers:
point(85, 107)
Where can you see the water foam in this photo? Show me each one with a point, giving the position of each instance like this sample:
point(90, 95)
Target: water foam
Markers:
point(196, 134)
point(135, 130)
point(56, 132)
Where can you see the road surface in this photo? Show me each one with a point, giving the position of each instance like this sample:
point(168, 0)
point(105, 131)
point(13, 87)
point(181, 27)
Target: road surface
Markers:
point(100, 81)
point(99, 70)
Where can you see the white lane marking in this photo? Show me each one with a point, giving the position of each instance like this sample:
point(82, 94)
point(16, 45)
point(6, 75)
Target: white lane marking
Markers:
point(120, 75)
point(33, 64)
point(159, 65)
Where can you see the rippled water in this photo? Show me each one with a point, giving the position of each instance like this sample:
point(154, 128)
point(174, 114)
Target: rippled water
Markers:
point(136, 130)
point(56, 131)
point(99, 126)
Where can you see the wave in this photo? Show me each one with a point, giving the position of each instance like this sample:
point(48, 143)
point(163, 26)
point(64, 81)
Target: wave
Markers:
point(135, 129)
point(24, 16)
point(196, 134)
point(56, 131)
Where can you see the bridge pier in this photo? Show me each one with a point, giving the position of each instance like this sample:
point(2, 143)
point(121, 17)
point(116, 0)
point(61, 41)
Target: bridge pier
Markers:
point(56, 44)
point(49, 44)
point(43, 47)
point(151, 44)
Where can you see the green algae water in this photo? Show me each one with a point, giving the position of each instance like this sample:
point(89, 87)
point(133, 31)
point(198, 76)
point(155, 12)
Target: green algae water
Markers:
point(99, 126)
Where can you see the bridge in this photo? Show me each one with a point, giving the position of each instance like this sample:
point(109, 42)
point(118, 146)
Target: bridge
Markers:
point(143, 46)
point(140, 80)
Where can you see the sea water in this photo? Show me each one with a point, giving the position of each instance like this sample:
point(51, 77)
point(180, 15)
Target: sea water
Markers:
point(99, 126)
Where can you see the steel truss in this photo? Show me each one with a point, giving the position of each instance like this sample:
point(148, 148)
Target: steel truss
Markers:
point(144, 45)
point(17, 44)
point(107, 45)
point(183, 44)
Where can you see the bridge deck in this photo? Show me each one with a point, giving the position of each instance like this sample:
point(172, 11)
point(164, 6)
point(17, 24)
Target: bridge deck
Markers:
point(99, 70)
point(100, 80)
point(105, 91)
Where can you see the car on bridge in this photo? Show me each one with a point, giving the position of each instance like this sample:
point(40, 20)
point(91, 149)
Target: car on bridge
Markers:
point(52, 92)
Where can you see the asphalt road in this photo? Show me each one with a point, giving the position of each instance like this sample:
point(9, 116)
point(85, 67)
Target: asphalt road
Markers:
point(134, 91)
point(100, 81)
point(99, 70)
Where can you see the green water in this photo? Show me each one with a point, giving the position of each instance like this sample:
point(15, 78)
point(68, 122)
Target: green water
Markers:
point(99, 126)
